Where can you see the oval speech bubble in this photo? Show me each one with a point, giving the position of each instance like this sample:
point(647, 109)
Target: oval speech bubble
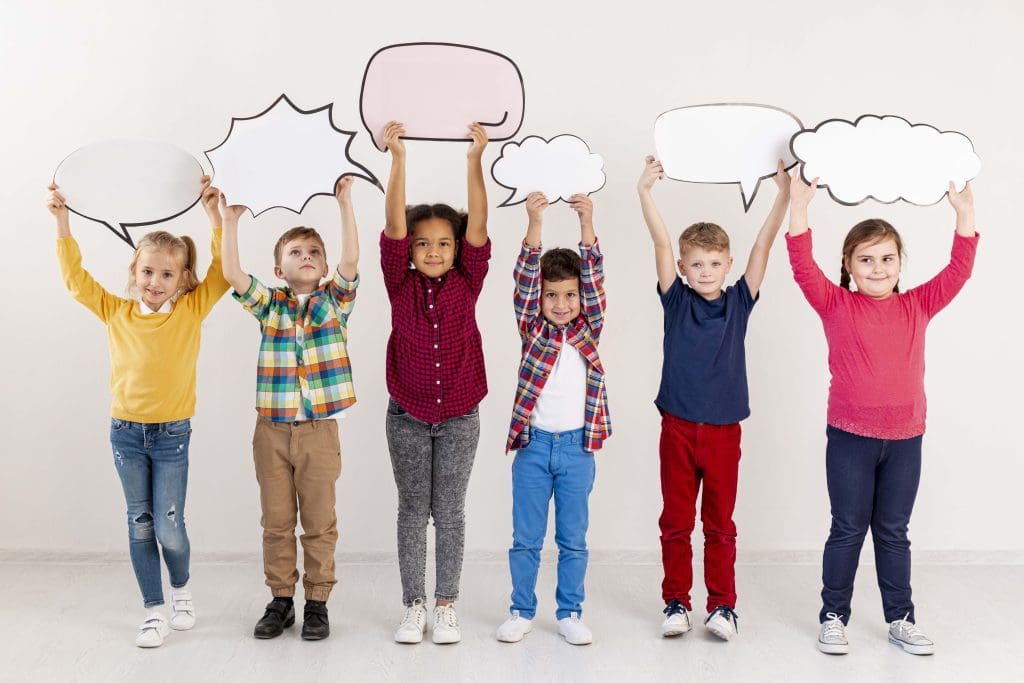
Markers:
point(128, 183)
point(437, 89)
point(725, 143)
point(559, 167)
point(885, 158)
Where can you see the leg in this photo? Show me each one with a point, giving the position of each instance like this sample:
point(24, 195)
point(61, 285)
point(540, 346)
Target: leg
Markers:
point(895, 490)
point(454, 452)
point(274, 472)
point(317, 458)
point(719, 460)
point(574, 480)
point(679, 484)
point(531, 496)
point(410, 444)
point(170, 481)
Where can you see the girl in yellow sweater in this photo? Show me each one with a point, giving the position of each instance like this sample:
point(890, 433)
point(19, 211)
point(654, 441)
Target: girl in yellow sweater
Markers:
point(154, 343)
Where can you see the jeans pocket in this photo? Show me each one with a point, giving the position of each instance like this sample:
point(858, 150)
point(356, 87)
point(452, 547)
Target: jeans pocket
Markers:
point(395, 409)
point(117, 425)
point(178, 429)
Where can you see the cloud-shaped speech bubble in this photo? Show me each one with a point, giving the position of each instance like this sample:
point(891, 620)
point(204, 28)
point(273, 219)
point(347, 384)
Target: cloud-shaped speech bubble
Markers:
point(885, 158)
point(725, 143)
point(559, 167)
point(437, 89)
point(128, 183)
point(283, 157)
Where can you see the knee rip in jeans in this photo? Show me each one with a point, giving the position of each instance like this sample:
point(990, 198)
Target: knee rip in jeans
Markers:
point(140, 526)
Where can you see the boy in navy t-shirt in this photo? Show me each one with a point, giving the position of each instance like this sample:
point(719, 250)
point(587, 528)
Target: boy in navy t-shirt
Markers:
point(702, 398)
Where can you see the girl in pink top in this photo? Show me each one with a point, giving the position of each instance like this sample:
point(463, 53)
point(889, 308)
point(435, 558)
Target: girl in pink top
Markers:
point(876, 403)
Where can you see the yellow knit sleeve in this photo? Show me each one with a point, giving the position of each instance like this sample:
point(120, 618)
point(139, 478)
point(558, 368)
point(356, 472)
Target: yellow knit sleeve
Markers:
point(213, 286)
point(81, 284)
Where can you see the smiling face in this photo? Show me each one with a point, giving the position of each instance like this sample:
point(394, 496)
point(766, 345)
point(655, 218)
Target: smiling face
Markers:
point(433, 247)
point(560, 300)
point(875, 268)
point(705, 270)
point(302, 264)
point(157, 275)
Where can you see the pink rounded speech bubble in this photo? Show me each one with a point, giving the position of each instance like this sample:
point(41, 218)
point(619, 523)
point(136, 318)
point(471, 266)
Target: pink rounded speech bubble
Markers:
point(437, 89)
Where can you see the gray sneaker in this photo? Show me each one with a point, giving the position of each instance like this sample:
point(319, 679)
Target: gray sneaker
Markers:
point(832, 637)
point(906, 634)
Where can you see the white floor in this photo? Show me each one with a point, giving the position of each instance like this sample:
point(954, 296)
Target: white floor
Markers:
point(75, 620)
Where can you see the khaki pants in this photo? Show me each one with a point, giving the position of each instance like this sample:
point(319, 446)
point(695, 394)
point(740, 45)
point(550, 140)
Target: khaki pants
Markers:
point(297, 466)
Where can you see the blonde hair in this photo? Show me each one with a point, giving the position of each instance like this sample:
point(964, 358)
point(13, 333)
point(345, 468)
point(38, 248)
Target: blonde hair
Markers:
point(706, 236)
point(182, 248)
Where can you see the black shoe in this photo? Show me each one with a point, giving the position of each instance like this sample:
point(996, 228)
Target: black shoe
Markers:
point(314, 621)
point(280, 615)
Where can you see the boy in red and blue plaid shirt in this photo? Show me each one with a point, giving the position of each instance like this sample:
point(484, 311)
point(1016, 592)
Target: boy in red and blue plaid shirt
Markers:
point(559, 419)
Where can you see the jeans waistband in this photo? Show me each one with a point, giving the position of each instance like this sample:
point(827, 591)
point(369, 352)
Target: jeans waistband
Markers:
point(573, 436)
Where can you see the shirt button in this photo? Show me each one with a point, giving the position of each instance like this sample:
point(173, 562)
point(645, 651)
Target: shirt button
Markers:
point(435, 346)
point(430, 306)
point(437, 365)
point(435, 326)
point(429, 290)
point(438, 400)
point(437, 382)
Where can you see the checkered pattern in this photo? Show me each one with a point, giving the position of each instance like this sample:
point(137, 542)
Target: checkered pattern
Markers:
point(435, 359)
point(542, 342)
point(302, 352)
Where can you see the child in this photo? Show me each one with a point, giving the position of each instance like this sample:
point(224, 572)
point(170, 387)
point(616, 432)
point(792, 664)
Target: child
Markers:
point(702, 399)
point(559, 419)
point(876, 404)
point(434, 261)
point(303, 378)
point(154, 343)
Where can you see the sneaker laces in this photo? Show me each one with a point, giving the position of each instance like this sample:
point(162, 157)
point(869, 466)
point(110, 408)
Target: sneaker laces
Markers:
point(728, 614)
point(446, 615)
point(908, 629)
point(673, 608)
point(833, 628)
point(413, 614)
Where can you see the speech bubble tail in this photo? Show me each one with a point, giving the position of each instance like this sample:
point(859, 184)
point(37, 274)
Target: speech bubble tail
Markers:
point(513, 199)
point(748, 190)
point(121, 231)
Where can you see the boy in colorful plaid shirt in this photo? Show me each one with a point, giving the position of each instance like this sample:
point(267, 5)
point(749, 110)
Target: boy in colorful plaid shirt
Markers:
point(559, 419)
point(303, 378)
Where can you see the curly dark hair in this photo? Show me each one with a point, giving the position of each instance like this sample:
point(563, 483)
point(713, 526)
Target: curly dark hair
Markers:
point(559, 264)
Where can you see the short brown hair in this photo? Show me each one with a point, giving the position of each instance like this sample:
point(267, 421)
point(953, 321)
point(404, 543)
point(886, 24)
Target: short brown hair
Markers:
point(559, 264)
point(300, 232)
point(707, 236)
point(870, 231)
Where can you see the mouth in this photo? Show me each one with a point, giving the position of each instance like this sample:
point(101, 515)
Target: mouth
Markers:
point(311, 267)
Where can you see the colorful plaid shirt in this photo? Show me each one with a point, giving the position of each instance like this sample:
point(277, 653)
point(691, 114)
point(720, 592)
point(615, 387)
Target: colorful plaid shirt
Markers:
point(542, 342)
point(302, 352)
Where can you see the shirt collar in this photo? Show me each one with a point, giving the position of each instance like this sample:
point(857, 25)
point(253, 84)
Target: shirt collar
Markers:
point(146, 310)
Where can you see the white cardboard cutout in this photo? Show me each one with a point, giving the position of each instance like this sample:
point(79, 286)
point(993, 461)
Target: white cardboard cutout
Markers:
point(885, 158)
point(559, 167)
point(725, 143)
point(124, 183)
point(283, 157)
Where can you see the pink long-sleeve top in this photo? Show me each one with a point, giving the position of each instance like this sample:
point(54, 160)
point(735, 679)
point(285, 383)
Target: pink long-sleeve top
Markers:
point(876, 348)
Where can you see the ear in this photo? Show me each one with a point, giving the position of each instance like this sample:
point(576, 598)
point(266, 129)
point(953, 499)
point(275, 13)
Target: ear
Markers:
point(278, 273)
point(728, 266)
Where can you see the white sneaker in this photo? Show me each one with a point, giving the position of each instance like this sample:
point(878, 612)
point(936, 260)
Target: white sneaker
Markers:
point(183, 614)
point(514, 628)
point(906, 634)
point(832, 637)
point(446, 625)
point(414, 624)
point(575, 631)
point(677, 620)
point(153, 630)
point(722, 622)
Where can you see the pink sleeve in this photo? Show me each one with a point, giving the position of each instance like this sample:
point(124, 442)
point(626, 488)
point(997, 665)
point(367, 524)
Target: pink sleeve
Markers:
point(936, 294)
point(820, 292)
point(473, 264)
point(394, 261)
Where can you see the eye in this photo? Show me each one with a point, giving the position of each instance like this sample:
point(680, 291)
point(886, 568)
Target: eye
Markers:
point(315, 252)
point(293, 252)
point(147, 271)
point(571, 295)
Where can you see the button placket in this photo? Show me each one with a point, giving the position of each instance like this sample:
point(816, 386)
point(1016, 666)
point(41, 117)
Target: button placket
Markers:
point(432, 317)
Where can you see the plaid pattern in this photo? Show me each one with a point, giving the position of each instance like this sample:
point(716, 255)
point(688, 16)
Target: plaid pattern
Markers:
point(435, 359)
point(302, 352)
point(542, 342)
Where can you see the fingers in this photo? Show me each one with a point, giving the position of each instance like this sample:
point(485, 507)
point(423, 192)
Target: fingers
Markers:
point(51, 187)
point(781, 167)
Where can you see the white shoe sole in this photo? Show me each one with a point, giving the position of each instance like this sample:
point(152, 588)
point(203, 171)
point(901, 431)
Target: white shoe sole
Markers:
point(178, 626)
point(913, 649)
point(723, 632)
point(833, 648)
point(674, 631)
point(577, 642)
point(409, 638)
point(446, 638)
point(513, 637)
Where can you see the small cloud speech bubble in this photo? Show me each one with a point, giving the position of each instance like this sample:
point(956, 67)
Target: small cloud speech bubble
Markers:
point(885, 158)
point(725, 143)
point(559, 167)
point(437, 89)
point(283, 157)
point(129, 183)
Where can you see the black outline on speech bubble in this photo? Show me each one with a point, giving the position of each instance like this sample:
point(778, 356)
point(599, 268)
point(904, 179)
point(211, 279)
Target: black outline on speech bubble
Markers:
point(123, 233)
point(330, 120)
point(854, 124)
point(485, 124)
point(743, 196)
point(501, 155)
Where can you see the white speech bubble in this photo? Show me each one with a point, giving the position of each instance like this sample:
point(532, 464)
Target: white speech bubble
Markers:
point(283, 157)
point(725, 143)
point(885, 158)
point(128, 183)
point(559, 168)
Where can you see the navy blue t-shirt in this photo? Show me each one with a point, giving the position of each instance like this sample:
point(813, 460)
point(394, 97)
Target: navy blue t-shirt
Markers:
point(704, 373)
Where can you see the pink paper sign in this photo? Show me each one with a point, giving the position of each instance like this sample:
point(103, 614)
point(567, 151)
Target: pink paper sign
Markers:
point(437, 89)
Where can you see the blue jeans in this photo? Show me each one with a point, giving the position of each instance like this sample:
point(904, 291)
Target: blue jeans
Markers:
point(550, 464)
point(872, 483)
point(152, 462)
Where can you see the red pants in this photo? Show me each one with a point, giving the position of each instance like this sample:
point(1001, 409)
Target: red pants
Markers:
point(691, 452)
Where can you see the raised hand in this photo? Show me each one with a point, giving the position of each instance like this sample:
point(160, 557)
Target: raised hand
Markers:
point(478, 136)
point(230, 212)
point(536, 202)
point(652, 173)
point(343, 190)
point(210, 199)
point(393, 133)
point(962, 200)
point(781, 178)
point(56, 203)
point(800, 192)
point(584, 208)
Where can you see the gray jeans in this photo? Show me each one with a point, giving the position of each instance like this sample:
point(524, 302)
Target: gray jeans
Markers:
point(432, 464)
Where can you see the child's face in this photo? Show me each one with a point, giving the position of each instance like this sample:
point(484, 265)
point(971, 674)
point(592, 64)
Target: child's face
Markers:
point(158, 274)
point(560, 300)
point(705, 270)
point(303, 264)
point(433, 246)
point(875, 268)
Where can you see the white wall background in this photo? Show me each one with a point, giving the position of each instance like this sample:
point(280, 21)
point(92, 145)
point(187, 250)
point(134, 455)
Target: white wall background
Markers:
point(72, 73)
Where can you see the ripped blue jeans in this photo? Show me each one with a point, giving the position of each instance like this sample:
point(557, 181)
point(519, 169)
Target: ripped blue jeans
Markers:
point(152, 462)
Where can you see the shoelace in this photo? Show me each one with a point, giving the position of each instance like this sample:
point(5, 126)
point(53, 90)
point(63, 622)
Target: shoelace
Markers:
point(414, 614)
point(448, 616)
point(674, 607)
point(834, 627)
point(728, 614)
point(908, 629)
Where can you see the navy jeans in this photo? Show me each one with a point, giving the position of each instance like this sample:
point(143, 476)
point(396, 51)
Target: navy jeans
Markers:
point(872, 483)
point(152, 462)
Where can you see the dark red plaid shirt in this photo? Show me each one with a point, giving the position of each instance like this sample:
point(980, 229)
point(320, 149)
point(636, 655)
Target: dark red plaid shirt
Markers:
point(435, 360)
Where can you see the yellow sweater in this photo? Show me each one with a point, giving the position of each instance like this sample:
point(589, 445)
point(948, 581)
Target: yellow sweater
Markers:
point(152, 357)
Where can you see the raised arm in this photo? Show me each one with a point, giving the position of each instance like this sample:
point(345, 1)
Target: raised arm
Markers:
point(348, 266)
point(800, 196)
point(757, 264)
point(584, 208)
point(947, 283)
point(591, 266)
point(526, 300)
point(963, 203)
point(57, 206)
point(394, 199)
point(240, 280)
point(664, 260)
point(476, 225)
